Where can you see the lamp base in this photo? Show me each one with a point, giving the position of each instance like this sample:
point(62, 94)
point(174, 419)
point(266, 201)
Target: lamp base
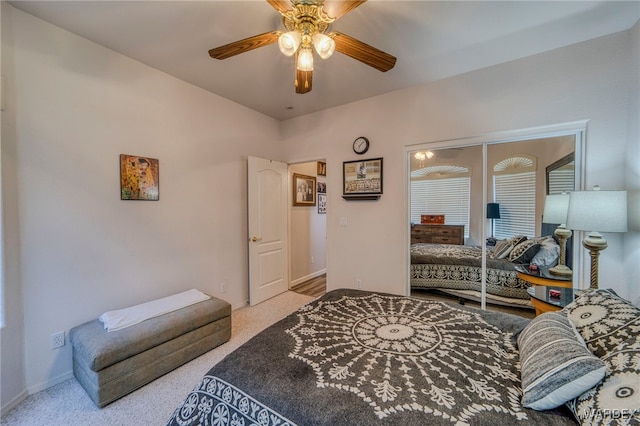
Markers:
point(561, 270)
point(594, 243)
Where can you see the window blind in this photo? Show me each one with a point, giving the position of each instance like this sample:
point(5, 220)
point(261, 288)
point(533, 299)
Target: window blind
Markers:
point(449, 197)
point(516, 194)
point(563, 181)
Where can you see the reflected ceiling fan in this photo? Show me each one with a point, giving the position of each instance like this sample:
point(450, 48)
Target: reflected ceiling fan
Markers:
point(307, 22)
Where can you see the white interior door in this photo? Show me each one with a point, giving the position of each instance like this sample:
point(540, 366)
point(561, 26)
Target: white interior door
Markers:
point(267, 204)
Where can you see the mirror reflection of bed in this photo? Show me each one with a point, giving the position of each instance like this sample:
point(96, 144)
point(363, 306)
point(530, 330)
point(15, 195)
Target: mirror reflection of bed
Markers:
point(449, 182)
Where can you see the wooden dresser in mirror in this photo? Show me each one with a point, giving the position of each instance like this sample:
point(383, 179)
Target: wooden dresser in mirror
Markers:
point(437, 234)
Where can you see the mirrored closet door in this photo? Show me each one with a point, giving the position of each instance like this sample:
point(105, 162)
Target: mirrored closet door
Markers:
point(476, 216)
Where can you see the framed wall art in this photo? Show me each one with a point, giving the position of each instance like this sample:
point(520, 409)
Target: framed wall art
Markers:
point(322, 203)
point(304, 190)
point(139, 178)
point(362, 179)
point(322, 168)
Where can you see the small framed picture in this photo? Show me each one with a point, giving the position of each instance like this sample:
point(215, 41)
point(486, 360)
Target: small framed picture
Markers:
point(362, 178)
point(322, 203)
point(304, 190)
point(139, 178)
point(322, 187)
point(322, 168)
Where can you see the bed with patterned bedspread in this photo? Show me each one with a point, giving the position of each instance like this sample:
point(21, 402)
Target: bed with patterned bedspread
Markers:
point(360, 358)
point(458, 268)
point(455, 267)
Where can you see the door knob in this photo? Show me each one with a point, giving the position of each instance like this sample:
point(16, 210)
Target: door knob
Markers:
point(256, 239)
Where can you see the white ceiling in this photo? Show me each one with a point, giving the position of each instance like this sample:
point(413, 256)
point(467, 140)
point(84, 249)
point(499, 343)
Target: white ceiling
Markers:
point(431, 39)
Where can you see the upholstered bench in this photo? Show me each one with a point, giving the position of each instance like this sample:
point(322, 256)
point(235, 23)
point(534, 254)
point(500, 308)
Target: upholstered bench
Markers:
point(110, 365)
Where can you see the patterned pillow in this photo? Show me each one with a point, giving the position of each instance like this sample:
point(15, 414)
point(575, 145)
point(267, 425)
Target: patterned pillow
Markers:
point(517, 239)
point(603, 319)
point(502, 249)
point(524, 252)
point(615, 400)
point(556, 366)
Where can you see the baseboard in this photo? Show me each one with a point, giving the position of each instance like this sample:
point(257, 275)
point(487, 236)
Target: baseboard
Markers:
point(308, 277)
point(13, 403)
point(42, 386)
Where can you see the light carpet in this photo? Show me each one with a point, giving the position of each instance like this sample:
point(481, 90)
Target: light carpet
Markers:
point(68, 404)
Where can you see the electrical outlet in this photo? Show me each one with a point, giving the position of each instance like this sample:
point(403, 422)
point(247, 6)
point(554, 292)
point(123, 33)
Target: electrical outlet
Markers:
point(223, 287)
point(313, 259)
point(57, 340)
point(358, 283)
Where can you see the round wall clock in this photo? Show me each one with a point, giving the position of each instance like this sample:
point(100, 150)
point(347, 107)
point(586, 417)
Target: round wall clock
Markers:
point(361, 145)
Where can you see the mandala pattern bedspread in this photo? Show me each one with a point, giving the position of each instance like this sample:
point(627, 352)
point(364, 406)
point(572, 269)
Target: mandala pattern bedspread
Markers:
point(360, 358)
point(455, 267)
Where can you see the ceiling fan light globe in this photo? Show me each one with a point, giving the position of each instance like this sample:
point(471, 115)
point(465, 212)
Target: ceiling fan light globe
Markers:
point(305, 60)
point(289, 42)
point(324, 45)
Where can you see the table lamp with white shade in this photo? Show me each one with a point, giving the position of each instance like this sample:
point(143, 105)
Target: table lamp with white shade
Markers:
point(556, 207)
point(597, 211)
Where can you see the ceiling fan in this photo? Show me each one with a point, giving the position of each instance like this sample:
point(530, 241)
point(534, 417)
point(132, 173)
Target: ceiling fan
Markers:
point(306, 22)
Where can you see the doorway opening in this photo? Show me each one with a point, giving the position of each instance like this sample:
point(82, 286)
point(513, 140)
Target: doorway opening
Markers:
point(308, 227)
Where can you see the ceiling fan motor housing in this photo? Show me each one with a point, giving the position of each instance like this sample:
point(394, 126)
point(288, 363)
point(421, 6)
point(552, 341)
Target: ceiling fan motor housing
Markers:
point(308, 19)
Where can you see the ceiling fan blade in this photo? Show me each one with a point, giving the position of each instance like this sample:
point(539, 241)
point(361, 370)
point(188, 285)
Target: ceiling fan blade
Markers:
point(303, 81)
point(362, 52)
point(245, 45)
point(281, 6)
point(338, 8)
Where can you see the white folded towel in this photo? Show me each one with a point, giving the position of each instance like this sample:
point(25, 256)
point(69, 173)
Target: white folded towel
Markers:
point(122, 318)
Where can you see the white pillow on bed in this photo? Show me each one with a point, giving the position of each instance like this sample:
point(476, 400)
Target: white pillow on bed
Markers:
point(556, 366)
point(548, 254)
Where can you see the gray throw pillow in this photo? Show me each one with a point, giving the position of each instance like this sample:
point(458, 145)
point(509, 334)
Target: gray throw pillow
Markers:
point(556, 366)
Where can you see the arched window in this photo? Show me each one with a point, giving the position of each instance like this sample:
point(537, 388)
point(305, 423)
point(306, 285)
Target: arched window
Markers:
point(514, 188)
point(441, 189)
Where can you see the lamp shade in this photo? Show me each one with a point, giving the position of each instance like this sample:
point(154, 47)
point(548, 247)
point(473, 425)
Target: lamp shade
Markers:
point(599, 211)
point(289, 42)
point(493, 211)
point(556, 207)
point(324, 45)
point(305, 59)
